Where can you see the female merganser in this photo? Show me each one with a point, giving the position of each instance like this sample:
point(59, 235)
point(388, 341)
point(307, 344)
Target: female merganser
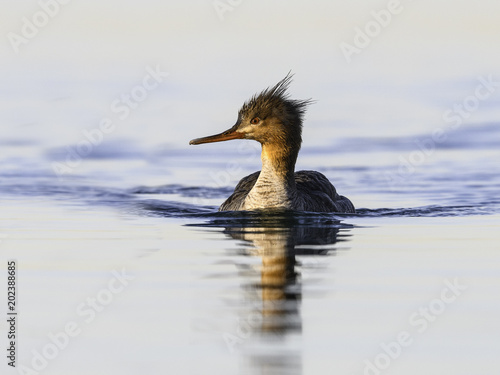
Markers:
point(275, 120)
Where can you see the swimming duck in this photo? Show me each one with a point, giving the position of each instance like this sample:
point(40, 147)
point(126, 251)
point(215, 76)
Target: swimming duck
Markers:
point(275, 120)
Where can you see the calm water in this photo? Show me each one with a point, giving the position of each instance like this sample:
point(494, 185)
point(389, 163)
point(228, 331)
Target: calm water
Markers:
point(126, 267)
point(257, 293)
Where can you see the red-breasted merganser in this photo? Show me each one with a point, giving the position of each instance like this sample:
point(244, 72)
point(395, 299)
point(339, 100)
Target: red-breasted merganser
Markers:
point(275, 120)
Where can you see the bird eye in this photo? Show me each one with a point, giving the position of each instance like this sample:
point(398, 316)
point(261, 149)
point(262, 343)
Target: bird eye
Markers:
point(255, 121)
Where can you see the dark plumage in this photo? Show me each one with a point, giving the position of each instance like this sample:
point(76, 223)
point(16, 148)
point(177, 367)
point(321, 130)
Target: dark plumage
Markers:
point(312, 184)
point(275, 120)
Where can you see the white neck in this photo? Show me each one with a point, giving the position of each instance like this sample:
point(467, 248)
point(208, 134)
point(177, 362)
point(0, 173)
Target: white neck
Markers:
point(274, 188)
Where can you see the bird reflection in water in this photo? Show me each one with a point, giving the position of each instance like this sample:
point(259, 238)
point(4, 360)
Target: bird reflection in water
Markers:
point(278, 239)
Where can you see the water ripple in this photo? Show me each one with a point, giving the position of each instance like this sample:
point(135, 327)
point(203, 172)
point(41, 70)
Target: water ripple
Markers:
point(134, 200)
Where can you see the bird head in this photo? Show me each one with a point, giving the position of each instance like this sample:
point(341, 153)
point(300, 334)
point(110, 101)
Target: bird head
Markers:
point(271, 118)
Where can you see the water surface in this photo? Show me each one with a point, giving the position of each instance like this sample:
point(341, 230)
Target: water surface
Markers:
point(122, 239)
point(252, 293)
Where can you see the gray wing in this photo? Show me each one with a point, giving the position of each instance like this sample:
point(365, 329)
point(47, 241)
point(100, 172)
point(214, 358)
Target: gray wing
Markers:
point(318, 193)
point(234, 202)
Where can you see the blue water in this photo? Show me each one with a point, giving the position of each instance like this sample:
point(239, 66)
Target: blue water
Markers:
point(253, 292)
point(459, 178)
point(406, 285)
